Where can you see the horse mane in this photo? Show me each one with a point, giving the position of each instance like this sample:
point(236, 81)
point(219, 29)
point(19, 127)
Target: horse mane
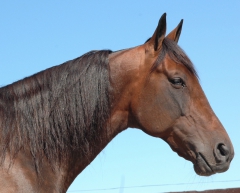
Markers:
point(57, 111)
point(176, 54)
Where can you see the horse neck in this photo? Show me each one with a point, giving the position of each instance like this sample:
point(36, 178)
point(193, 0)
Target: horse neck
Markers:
point(124, 66)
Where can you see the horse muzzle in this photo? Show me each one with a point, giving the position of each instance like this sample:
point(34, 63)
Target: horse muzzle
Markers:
point(222, 157)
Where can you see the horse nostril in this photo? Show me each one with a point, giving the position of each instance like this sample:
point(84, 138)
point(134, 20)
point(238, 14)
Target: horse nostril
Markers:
point(223, 149)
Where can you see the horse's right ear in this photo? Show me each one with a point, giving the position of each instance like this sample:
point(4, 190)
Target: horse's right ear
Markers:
point(159, 34)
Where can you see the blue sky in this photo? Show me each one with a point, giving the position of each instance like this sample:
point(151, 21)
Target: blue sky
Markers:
point(36, 35)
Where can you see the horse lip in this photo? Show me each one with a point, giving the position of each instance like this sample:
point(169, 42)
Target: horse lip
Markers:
point(206, 162)
point(202, 167)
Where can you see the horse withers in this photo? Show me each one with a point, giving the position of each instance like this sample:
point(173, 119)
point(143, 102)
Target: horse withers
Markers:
point(54, 123)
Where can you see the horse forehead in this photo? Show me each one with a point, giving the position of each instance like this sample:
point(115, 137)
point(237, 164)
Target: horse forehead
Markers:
point(170, 65)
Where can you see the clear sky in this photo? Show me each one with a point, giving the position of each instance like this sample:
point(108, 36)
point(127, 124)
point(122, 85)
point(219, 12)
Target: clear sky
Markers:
point(35, 35)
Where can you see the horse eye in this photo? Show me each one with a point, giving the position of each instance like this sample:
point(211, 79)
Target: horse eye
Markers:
point(177, 82)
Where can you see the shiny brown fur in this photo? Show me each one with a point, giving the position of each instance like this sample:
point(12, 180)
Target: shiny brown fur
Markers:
point(54, 123)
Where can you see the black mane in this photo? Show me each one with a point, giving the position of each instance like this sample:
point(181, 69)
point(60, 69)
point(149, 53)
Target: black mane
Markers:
point(176, 53)
point(57, 111)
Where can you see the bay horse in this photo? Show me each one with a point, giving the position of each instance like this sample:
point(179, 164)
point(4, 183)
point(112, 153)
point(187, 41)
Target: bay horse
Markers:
point(54, 123)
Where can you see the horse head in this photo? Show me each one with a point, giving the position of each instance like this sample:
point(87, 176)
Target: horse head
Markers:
point(165, 100)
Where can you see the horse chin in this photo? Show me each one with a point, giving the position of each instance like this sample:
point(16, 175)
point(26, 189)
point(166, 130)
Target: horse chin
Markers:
point(202, 167)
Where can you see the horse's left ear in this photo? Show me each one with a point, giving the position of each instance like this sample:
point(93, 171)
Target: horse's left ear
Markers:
point(155, 41)
point(175, 34)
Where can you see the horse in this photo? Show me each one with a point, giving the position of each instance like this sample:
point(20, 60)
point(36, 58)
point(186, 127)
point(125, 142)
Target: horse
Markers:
point(55, 122)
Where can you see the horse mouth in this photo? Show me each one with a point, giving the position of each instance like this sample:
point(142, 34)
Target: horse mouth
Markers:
point(202, 167)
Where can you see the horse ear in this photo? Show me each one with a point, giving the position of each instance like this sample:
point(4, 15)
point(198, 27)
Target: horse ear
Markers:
point(159, 34)
point(175, 34)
